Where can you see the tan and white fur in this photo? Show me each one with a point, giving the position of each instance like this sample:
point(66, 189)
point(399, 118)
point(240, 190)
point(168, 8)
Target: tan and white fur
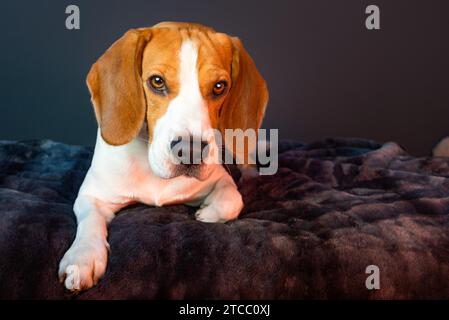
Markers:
point(442, 148)
point(131, 162)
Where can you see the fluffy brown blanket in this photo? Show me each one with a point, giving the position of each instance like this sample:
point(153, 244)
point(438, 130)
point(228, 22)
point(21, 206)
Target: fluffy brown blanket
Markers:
point(309, 231)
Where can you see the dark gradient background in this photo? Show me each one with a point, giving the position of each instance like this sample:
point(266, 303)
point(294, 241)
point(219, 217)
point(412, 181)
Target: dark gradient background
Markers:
point(327, 74)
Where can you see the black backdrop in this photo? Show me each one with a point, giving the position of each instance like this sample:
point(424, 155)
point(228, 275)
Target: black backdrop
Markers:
point(327, 74)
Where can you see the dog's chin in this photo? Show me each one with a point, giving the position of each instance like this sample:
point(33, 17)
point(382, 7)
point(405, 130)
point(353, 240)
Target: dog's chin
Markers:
point(198, 171)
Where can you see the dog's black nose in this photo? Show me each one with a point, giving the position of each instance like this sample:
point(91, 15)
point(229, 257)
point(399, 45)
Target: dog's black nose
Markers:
point(174, 142)
point(189, 149)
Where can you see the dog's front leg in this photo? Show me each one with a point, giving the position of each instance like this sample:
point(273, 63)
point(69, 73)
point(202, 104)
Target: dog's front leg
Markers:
point(224, 203)
point(85, 262)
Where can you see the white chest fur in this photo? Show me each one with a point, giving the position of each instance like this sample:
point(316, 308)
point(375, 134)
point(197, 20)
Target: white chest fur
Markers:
point(122, 175)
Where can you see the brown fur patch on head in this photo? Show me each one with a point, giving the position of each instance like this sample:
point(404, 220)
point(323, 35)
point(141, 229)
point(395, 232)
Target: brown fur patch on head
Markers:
point(214, 65)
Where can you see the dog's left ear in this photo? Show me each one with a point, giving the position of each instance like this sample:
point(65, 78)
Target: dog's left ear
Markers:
point(247, 99)
point(115, 85)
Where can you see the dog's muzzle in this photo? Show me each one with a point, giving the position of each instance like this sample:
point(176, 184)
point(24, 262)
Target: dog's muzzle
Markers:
point(188, 154)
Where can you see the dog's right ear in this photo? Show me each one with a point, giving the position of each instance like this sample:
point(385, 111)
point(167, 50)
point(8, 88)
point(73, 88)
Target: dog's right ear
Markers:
point(115, 85)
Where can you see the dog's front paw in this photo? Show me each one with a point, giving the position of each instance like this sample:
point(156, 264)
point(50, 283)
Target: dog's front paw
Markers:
point(220, 213)
point(83, 264)
point(208, 214)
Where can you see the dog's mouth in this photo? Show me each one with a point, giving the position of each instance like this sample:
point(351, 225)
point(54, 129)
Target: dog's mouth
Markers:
point(197, 171)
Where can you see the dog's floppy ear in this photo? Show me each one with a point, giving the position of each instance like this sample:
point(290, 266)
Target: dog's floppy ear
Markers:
point(115, 85)
point(245, 104)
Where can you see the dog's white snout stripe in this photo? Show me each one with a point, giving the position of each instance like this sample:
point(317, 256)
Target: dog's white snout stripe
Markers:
point(187, 114)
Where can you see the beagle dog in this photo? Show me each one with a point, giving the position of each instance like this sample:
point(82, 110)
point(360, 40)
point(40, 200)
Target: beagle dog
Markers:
point(151, 87)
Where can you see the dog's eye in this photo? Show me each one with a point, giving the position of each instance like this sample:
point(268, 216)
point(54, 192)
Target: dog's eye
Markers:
point(219, 88)
point(157, 83)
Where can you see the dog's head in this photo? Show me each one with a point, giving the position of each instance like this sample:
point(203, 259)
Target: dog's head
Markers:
point(181, 80)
